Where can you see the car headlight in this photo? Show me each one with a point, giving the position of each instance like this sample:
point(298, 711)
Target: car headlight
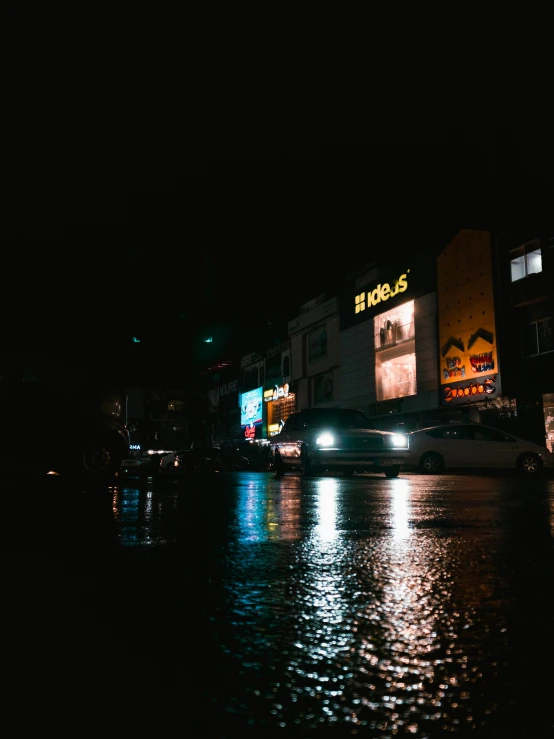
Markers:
point(398, 441)
point(325, 439)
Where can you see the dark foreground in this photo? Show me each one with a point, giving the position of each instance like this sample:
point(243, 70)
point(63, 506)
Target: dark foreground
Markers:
point(239, 605)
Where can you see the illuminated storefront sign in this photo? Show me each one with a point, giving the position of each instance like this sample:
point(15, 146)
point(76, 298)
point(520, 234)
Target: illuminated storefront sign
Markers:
point(134, 447)
point(279, 391)
point(380, 293)
point(469, 369)
point(250, 432)
point(251, 407)
point(470, 390)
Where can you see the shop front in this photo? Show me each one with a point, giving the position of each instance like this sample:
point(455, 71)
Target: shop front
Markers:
point(280, 402)
point(388, 343)
point(252, 415)
point(469, 367)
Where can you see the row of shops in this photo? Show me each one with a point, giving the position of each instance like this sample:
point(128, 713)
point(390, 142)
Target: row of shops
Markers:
point(433, 340)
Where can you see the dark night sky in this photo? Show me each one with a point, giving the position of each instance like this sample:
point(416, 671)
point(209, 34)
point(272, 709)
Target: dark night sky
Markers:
point(288, 187)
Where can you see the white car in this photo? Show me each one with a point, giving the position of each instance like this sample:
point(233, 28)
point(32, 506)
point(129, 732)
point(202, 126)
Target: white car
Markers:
point(474, 445)
point(343, 440)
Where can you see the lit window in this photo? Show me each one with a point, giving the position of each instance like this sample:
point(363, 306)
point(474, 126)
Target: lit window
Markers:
point(395, 325)
point(526, 260)
point(395, 362)
point(395, 376)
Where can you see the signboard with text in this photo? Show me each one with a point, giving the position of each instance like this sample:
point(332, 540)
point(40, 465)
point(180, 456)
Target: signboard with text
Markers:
point(251, 404)
point(468, 361)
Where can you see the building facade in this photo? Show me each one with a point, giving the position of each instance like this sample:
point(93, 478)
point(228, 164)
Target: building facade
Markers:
point(525, 266)
point(388, 343)
point(458, 333)
point(315, 353)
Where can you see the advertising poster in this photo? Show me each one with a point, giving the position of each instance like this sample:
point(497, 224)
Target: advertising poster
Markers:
point(251, 404)
point(317, 344)
point(469, 369)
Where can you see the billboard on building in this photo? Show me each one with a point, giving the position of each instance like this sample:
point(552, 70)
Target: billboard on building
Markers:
point(251, 404)
point(468, 358)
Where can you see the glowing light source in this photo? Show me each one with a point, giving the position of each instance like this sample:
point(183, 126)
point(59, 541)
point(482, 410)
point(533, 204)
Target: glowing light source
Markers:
point(325, 439)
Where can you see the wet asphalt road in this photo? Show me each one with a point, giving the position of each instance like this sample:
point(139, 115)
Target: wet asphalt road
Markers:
point(238, 605)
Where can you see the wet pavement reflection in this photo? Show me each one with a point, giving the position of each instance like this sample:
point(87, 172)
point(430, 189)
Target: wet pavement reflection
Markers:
point(234, 604)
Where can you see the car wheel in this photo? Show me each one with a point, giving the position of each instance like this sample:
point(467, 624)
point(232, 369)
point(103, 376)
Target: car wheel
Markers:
point(278, 465)
point(308, 469)
point(392, 471)
point(431, 463)
point(530, 464)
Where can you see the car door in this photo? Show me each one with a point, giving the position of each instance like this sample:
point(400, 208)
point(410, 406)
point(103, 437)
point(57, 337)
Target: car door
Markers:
point(457, 446)
point(494, 448)
point(288, 441)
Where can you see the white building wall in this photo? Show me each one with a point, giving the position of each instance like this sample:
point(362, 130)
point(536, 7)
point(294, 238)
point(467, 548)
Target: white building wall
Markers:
point(321, 315)
point(332, 358)
point(302, 394)
point(357, 361)
point(357, 366)
point(297, 365)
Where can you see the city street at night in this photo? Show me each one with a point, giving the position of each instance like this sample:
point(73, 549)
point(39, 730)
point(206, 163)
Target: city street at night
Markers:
point(276, 393)
point(239, 604)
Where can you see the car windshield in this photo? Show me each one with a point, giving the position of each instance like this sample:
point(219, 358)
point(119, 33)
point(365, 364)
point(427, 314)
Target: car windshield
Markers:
point(343, 418)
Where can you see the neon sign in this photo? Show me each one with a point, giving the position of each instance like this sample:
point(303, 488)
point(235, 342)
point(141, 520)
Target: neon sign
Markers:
point(484, 387)
point(251, 407)
point(380, 293)
point(250, 432)
point(279, 391)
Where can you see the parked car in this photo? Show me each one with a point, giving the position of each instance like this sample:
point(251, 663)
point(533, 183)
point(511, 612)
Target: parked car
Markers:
point(316, 440)
point(212, 460)
point(146, 463)
point(196, 459)
point(476, 446)
point(168, 460)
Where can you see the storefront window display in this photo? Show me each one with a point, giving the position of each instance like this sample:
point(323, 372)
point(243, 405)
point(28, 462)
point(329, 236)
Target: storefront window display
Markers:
point(395, 325)
point(278, 411)
point(317, 344)
point(395, 364)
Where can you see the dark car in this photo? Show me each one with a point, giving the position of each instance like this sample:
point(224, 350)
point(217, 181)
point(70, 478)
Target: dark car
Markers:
point(343, 440)
point(190, 460)
point(229, 461)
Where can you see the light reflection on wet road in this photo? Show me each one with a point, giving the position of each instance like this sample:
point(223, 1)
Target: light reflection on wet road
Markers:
point(406, 607)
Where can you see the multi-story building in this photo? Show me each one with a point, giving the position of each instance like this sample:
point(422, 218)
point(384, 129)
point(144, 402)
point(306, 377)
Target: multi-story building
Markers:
point(468, 330)
point(388, 342)
point(459, 332)
point(525, 266)
point(315, 352)
point(266, 394)
point(224, 404)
